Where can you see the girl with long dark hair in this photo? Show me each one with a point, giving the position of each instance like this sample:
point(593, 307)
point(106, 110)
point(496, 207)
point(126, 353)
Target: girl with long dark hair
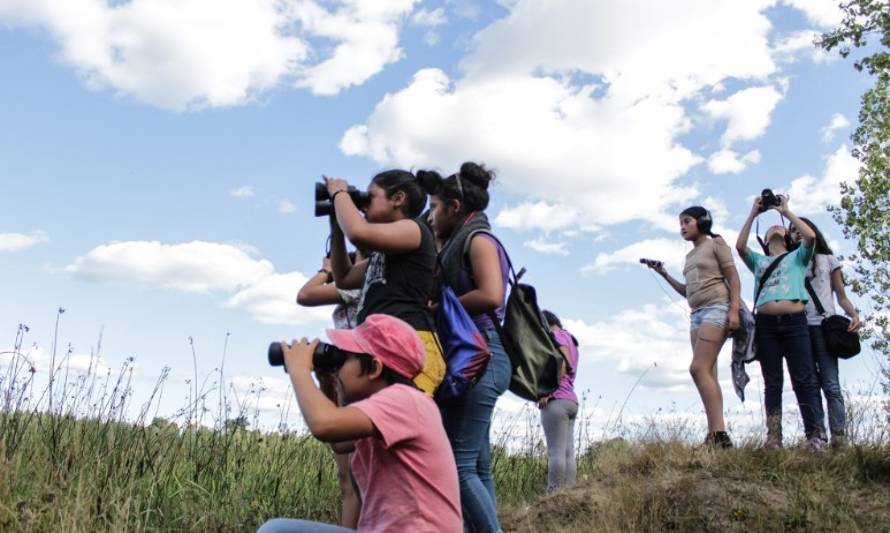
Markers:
point(558, 413)
point(397, 277)
point(827, 281)
point(781, 323)
point(475, 266)
point(712, 290)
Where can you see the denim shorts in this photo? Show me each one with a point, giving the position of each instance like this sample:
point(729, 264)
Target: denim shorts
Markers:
point(716, 315)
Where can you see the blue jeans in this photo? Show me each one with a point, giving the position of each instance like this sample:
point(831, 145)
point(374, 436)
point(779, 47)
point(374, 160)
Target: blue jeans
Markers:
point(289, 525)
point(467, 422)
point(787, 336)
point(829, 380)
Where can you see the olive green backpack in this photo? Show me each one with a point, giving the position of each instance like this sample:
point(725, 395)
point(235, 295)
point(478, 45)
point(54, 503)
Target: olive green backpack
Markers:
point(538, 363)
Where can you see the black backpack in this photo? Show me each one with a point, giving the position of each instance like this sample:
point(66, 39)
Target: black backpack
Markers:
point(538, 363)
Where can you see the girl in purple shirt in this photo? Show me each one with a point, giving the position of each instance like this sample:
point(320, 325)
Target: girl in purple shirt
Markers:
point(558, 413)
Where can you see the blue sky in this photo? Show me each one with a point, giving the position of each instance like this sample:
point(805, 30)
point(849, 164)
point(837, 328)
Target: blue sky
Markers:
point(158, 162)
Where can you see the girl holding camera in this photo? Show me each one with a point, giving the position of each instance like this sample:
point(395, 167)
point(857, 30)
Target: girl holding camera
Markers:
point(781, 321)
point(397, 277)
point(712, 290)
point(475, 266)
point(827, 280)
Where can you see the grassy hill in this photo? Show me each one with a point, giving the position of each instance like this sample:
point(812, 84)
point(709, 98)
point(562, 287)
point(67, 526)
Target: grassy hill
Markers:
point(670, 487)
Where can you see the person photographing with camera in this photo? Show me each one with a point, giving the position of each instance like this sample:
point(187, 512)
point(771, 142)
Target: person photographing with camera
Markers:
point(712, 290)
point(402, 460)
point(781, 321)
point(397, 277)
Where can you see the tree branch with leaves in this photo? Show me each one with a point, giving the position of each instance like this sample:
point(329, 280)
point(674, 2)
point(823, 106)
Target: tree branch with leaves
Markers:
point(864, 210)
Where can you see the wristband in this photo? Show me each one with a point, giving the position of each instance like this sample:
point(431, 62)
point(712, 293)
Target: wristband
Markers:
point(338, 191)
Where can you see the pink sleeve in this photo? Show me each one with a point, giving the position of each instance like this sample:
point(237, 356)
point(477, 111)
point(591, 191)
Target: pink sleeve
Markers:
point(393, 412)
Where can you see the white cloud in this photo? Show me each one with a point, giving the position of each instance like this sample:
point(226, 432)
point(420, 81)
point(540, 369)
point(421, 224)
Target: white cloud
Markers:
point(652, 339)
point(15, 242)
point(252, 284)
point(285, 207)
point(577, 103)
point(789, 48)
point(671, 251)
point(537, 216)
point(838, 122)
point(824, 13)
point(367, 33)
point(465, 9)
point(810, 195)
point(747, 112)
point(547, 247)
point(182, 54)
point(195, 266)
point(245, 191)
point(727, 161)
point(431, 38)
point(41, 360)
point(431, 18)
point(272, 300)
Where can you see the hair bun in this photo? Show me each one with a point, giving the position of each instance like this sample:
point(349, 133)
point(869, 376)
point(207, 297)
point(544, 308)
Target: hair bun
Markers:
point(476, 174)
point(430, 181)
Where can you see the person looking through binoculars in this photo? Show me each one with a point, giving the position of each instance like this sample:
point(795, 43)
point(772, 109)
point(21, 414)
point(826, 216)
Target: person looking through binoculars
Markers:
point(401, 461)
point(397, 277)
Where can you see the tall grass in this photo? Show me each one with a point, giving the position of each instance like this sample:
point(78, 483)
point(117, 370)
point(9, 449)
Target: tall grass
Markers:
point(76, 454)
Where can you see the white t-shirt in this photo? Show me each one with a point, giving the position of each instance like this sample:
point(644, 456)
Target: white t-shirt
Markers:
point(825, 265)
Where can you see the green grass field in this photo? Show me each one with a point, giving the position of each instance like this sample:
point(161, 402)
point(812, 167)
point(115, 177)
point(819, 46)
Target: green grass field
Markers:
point(73, 459)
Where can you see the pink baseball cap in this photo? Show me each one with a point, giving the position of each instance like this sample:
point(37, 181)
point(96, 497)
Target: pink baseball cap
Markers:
point(389, 339)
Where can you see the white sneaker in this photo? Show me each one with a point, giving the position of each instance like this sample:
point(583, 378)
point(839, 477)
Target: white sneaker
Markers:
point(817, 447)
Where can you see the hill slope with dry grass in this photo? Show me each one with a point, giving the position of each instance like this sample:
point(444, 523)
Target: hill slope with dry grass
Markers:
point(672, 487)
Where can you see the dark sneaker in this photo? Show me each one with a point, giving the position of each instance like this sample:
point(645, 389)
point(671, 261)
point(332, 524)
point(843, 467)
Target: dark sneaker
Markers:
point(718, 439)
point(839, 442)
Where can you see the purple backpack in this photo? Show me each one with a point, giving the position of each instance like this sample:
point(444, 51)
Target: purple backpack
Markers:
point(464, 348)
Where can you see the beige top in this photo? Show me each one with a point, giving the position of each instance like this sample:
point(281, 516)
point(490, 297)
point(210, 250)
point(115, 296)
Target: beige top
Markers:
point(705, 285)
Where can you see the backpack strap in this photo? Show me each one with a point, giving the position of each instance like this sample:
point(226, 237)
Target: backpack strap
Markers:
point(514, 276)
point(766, 275)
point(816, 301)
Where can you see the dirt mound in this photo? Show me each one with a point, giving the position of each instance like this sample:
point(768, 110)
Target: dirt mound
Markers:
point(671, 488)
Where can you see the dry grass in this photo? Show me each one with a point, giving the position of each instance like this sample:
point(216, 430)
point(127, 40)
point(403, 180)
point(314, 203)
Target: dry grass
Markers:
point(668, 486)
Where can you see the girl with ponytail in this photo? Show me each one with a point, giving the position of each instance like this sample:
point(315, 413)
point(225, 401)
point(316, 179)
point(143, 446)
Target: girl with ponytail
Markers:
point(397, 277)
point(475, 266)
point(712, 290)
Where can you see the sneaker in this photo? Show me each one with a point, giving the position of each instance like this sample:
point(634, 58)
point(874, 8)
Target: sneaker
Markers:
point(839, 442)
point(817, 447)
point(773, 443)
point(718, 439)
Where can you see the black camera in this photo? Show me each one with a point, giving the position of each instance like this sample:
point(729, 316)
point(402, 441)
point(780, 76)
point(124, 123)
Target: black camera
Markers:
point(769, 199)
point(325, 358)
point(652, 263)
point(324, 206)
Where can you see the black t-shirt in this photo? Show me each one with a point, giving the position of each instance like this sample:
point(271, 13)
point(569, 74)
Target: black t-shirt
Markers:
point(401, 285)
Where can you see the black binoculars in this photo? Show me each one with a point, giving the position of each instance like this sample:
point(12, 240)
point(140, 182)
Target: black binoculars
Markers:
point(324, 206)
point(325, 358)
